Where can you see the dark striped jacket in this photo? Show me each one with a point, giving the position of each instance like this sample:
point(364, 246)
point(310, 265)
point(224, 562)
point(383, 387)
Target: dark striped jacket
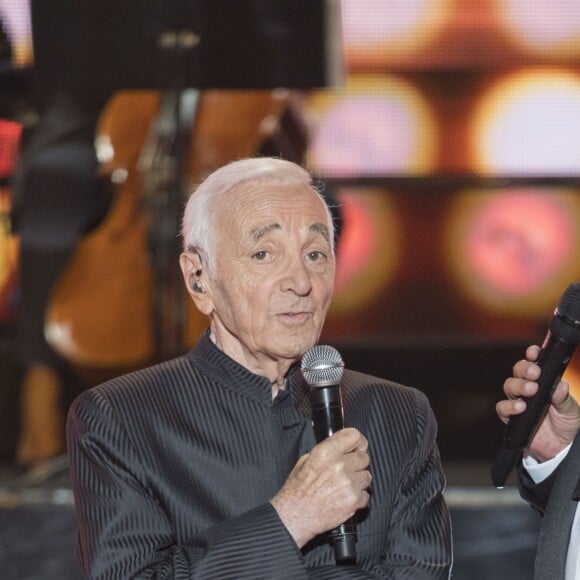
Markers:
point(173, 468)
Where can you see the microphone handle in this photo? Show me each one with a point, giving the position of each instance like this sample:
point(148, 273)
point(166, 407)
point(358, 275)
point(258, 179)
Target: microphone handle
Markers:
point(343, 539)
point(327, 418)
point(505, 461)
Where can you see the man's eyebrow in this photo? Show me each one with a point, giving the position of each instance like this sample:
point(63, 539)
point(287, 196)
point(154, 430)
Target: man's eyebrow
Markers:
point(260, 232)
point(322, 229)
point(316, 228)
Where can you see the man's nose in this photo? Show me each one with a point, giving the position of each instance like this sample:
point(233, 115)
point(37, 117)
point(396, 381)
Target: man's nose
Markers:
point(296, 276)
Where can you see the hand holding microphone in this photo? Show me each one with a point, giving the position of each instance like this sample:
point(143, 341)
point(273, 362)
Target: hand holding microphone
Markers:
point(539, 410)
point(562, 420)
point(328, 485)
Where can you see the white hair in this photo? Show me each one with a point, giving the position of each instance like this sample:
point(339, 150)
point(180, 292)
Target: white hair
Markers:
point(199, 231)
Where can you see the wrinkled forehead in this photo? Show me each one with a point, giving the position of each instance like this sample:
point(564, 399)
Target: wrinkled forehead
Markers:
point(252, 205)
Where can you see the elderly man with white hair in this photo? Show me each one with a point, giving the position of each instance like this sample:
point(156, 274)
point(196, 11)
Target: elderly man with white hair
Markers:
point(207, 465)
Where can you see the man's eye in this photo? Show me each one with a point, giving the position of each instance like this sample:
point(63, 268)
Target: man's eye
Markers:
point(260, 256)
point(316, 256)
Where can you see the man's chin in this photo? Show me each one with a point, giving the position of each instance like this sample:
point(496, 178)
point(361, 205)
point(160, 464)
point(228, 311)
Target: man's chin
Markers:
point(296, 345)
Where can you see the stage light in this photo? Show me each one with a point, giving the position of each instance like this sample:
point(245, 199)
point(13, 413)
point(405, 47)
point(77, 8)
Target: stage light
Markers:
point(513, 251)
point(15, 15)
point(369, 248)
point(528, 123)
point(376, 126)
point(377, 29)
point(548, 28)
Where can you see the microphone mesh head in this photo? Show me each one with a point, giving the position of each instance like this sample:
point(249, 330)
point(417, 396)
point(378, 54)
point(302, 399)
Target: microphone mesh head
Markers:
point(569, 305)
point(322, 365)
point(565, 323)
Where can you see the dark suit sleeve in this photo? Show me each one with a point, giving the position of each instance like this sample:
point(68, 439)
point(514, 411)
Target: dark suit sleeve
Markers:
point(419, 542)
point(123, 531)
point(536, 494)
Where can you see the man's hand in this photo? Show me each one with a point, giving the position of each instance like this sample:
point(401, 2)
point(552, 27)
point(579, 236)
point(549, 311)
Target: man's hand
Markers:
point(563, 418)
point(326, 487)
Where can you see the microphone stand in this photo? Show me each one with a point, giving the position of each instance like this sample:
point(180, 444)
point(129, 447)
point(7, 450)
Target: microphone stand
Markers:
point(163, 166)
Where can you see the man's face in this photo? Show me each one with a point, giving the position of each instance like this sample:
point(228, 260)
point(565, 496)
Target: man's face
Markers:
point(275, 272)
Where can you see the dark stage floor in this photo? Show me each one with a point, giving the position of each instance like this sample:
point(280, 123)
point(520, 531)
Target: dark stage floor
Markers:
point(494, 532)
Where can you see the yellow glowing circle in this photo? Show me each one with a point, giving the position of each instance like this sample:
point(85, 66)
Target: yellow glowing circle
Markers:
point(375, 126)
point(514, 251)
point(369, 248)
point(547, 27)
point(529, 123)
point(376, 28)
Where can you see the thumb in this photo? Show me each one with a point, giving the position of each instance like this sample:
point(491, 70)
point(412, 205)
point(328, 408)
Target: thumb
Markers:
point(563, 401)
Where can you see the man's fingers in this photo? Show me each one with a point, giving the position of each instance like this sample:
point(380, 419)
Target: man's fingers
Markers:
point(505, 409)
point(514, 388)
point(347, 440)
point(524, 369)
point(532, 352)
point(364, 479)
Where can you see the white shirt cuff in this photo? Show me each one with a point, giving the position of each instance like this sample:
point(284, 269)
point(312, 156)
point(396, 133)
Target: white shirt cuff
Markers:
point(540, 471)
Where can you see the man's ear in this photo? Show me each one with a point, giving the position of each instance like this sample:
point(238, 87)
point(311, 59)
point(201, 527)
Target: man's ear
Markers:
point(195, 279)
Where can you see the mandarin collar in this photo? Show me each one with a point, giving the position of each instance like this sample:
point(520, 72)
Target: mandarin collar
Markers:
point(239, 379)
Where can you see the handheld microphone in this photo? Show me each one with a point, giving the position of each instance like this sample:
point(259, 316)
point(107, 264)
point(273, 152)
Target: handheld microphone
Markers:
point(322, 368)
point(557, 349)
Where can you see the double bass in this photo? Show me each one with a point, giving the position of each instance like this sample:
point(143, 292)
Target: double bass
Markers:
point(102, 313)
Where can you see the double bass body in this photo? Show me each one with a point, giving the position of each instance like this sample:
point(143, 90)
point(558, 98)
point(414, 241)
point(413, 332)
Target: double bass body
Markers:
point(102, 313)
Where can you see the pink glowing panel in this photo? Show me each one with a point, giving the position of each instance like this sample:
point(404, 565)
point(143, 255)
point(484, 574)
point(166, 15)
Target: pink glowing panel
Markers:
point(529, 123)
point(388, 26)
point(374, 129)
point(368, 251)
point(518, 241)
point(515, 248)
point(549, 27)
